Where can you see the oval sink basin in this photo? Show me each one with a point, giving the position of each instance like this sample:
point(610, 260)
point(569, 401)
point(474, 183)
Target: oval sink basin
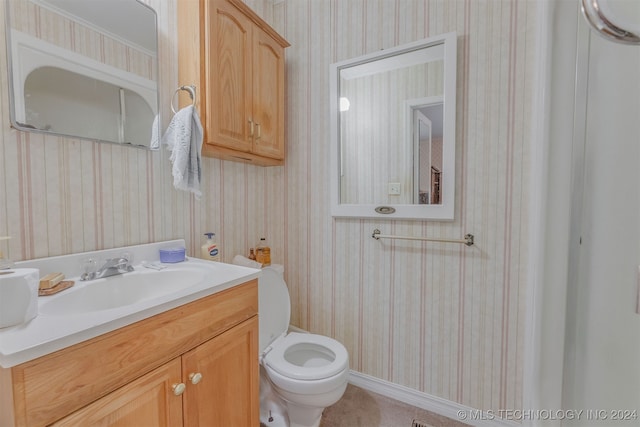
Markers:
point(121, 290)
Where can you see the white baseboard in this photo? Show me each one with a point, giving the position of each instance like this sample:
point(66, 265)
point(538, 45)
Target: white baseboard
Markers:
point(428, 402)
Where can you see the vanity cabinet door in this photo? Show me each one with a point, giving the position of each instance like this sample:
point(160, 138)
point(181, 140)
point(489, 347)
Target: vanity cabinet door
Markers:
point(148, 401)
point(226, 392)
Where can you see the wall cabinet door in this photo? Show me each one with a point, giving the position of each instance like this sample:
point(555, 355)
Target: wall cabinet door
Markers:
point(227, 391)
point(237, 61)
point(229, 68)
point(268, 89)
point(147, 401)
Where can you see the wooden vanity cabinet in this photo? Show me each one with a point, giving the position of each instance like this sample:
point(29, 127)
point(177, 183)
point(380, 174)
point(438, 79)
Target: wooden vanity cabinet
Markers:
point(195, 365)
point(236, 61)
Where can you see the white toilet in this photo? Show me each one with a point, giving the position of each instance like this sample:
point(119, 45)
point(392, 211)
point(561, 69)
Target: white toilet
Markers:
point(308, 372)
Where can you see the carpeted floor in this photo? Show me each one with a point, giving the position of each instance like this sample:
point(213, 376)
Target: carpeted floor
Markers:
point(361, 408)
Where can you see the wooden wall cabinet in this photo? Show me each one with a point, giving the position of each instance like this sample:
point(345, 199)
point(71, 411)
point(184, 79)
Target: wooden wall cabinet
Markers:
point(195, 365)
point(236, 61)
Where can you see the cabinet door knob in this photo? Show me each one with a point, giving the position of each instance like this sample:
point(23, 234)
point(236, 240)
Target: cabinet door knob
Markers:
point(178, 389)
point(195, 377)
point(258, 129)
point(251, 128)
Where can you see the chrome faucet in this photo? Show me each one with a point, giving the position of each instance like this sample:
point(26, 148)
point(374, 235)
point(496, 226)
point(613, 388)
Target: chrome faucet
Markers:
point(111, 267)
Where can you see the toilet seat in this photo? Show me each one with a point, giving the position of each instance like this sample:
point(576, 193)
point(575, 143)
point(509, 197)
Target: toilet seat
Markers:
point(306, 356)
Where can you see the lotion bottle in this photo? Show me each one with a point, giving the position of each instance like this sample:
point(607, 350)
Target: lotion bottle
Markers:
point(210, 250)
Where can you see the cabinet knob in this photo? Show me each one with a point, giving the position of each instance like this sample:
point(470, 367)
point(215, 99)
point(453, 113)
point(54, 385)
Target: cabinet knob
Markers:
point(195, 377)
point(178, 389)
point(258, 130)
point(251, 128)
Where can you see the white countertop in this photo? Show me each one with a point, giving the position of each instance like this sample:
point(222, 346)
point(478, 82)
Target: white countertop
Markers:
point(48, 333)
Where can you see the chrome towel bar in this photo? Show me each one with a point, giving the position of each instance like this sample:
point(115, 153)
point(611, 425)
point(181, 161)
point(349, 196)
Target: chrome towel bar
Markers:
point(468, 238)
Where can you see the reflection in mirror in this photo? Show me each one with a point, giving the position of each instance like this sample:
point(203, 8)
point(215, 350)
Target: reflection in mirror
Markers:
point(393, 129)
point(84, 69)
point(427, 128)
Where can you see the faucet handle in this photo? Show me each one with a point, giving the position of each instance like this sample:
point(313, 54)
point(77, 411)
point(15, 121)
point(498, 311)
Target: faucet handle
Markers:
point(89, 268)
point(128, 257)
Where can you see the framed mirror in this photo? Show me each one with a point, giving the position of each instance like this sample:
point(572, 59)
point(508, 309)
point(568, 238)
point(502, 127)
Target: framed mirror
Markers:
point(393, 132)
point(84, 69)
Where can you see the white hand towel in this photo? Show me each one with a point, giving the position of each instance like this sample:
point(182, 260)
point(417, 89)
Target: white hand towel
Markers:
point(184, 138)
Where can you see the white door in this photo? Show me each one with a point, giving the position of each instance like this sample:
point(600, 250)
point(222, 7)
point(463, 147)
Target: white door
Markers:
point(422, 160)
point(602, 366)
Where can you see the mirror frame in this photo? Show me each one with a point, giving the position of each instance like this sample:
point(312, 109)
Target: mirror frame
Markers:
point(443, 211)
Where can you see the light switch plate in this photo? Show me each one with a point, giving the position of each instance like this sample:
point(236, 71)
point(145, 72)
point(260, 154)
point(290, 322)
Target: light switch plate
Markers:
point(394, 188)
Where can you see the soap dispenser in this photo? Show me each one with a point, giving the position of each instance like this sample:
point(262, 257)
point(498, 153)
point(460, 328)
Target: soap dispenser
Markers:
point(210, 250)
point(4, 262)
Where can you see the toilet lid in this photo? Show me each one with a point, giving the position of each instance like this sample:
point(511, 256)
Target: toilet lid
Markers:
point(274, 306)
point(317, 357)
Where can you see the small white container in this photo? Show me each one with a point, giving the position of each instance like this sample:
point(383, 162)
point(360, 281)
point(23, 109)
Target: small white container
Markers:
point(18, 296)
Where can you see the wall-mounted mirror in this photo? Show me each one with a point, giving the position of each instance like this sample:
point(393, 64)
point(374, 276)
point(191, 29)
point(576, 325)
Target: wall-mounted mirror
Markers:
point(393, 132)
point(84, 69)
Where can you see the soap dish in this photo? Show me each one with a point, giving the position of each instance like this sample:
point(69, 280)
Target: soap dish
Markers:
point(61, 286)
point(172, 255)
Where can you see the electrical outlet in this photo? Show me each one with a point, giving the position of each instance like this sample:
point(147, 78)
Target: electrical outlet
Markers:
point(394, 188)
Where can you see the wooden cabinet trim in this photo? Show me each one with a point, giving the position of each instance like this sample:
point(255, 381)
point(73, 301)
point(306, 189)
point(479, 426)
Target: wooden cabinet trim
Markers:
point(239, 4)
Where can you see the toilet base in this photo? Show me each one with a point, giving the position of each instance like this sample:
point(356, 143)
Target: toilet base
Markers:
point(303, 416)
point(273, 410)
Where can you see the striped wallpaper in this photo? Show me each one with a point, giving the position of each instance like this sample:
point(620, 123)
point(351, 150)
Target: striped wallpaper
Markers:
point(442, 319)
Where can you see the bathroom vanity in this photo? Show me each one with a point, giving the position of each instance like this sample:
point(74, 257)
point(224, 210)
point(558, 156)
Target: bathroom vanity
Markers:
point(194, 364)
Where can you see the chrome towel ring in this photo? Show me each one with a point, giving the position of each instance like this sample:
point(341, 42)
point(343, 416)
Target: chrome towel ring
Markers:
point(192, 92)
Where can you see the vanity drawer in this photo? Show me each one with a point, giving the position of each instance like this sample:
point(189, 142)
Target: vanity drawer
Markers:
point(50, 387)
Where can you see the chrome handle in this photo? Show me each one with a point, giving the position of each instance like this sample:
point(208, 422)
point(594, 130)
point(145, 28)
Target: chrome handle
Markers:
point(195, 377)
point(596, 18)
point(178, 388)
point(251, 128)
